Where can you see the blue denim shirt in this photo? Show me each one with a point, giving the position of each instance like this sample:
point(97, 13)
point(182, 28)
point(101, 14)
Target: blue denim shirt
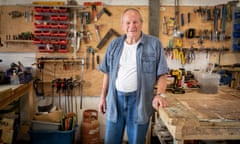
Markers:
point(151, 63)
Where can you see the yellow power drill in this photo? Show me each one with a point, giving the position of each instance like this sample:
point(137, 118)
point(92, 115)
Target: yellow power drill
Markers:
point(177, 85)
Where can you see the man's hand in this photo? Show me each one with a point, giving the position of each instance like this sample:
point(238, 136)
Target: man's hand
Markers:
point(159, 102)
point(102, 106)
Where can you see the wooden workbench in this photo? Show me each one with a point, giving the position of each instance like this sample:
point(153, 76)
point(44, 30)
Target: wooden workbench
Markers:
point(195, 116)
point(10, 93)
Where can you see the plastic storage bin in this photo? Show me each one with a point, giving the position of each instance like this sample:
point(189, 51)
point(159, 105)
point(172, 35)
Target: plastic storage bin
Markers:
point(208, 82)
point(42, 125)
point(52, 137)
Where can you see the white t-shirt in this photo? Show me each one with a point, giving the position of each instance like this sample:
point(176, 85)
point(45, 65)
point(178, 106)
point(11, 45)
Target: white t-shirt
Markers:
point(126, 80)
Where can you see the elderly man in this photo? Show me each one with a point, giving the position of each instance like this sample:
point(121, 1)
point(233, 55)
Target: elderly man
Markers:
point(132, 65)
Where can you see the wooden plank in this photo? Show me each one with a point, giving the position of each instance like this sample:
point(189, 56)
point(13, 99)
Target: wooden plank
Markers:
point(14, 93)
point(5, 94)
point(184, 116)
point(222, 106)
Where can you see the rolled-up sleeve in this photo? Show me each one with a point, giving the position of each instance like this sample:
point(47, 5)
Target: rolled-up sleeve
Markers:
point(162, 65)
point(104, 65)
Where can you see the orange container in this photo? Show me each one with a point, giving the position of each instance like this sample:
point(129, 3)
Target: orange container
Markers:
point(90, 130)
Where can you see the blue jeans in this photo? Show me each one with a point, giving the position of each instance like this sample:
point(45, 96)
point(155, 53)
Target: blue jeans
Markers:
point(126, 108)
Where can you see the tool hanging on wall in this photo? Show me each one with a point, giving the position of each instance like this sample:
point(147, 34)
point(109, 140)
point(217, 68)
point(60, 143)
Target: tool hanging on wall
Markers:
point(178, 42)
point(182, 19)
point(90, 50)
point(190, 33)
point(15, 14)
point(176, 32)
point(54, 82)
point(28, 15)
point(1, 44)
point(59, 87)
point(94, 13)
point(97, 28)
point(102, 11)
point(94, 8)
point(216, 12)
point(70, 94)
point(76, 84)
point(98, 61)
point(107, 36)
point(188, 17)
point(81, 82)
point(164, 26)
point(223, 22)
point(39, 90)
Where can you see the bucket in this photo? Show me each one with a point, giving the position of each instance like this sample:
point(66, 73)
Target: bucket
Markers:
point(90, 131)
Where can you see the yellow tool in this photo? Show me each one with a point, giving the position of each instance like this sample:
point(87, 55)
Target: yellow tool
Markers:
point(48, 3)
point(175, 54)
point(181, 57)
point(178, 75)
point(178, 42)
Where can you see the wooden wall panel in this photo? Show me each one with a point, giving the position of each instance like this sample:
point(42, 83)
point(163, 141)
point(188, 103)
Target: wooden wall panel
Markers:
point(13, 26)
point(196, 23)
point(93, 77)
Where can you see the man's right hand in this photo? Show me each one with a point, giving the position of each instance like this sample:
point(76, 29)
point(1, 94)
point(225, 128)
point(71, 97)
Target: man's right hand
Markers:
point(102, 106)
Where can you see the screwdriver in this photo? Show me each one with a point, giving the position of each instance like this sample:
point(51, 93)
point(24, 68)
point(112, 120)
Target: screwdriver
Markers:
point(188, 17)
point(94, 12)
point(98, 61)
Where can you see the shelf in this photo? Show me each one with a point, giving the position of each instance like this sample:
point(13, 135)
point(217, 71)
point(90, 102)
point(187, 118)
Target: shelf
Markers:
point(19, 41)
point(48, 5)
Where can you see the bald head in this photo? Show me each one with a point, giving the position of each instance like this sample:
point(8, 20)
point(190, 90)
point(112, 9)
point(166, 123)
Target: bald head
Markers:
point(131, 9)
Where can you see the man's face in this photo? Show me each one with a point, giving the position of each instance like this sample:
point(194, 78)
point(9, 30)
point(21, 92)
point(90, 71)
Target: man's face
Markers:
point(131, 24)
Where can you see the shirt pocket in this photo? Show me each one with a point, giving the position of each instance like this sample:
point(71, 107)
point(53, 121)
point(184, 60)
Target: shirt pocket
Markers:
point(148, 64)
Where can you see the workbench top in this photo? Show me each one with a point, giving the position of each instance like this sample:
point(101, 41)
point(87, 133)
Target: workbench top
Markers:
point(193, 116)
point(10, 93)
point(8, 86)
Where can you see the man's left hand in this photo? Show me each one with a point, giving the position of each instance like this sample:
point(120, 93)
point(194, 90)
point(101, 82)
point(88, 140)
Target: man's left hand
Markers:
point(159, 102)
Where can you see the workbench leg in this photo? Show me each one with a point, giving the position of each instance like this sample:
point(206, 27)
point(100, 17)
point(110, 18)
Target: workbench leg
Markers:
point(31, 100)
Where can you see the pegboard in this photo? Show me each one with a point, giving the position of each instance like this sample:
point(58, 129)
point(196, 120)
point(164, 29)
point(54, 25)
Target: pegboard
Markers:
point(92, 77)
point(13, 24)
point(197, 23)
